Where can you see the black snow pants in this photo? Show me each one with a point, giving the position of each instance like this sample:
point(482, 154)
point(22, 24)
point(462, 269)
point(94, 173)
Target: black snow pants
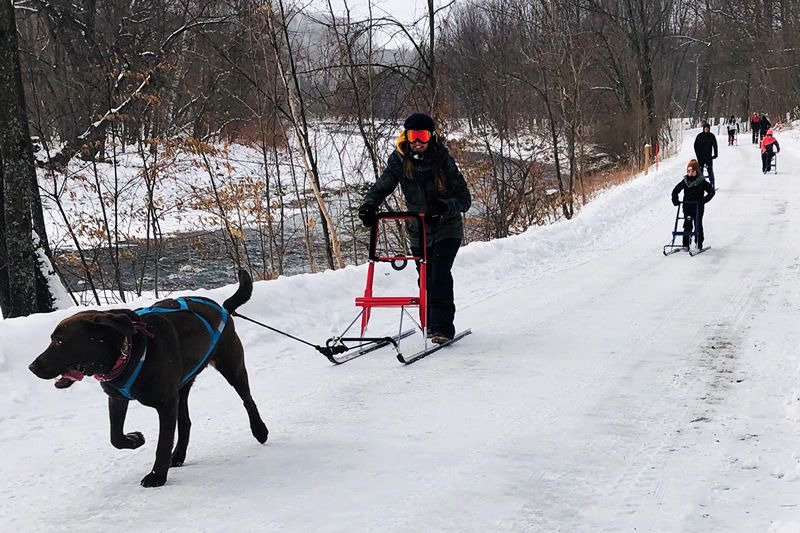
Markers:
point(690, 213)
point(441, 308)
point(766, 161)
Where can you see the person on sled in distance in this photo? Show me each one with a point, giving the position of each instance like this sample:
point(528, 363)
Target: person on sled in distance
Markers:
point(697, 192)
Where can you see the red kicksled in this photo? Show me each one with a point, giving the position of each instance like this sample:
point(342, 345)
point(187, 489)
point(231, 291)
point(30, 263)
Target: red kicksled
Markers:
point(399, 262)
point(335, 348)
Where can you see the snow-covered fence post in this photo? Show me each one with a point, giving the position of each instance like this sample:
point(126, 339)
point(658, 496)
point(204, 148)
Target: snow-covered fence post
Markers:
point(656, 153)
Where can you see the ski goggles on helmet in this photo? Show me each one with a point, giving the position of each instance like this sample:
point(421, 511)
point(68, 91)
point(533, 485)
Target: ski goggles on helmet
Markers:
point(422, 136)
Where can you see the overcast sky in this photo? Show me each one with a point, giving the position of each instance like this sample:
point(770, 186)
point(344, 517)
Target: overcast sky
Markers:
point(403, 10)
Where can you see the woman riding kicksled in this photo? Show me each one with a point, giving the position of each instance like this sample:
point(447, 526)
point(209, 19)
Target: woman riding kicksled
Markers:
point(432, 184)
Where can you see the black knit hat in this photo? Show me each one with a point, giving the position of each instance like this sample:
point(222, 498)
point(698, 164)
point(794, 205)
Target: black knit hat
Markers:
point(419, 121)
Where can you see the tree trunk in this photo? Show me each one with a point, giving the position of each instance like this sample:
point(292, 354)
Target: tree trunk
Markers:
point(432, 52)
point(649, 97)
point(18, 178)
point(5, 301)
point(300, 126)
point(566, 201)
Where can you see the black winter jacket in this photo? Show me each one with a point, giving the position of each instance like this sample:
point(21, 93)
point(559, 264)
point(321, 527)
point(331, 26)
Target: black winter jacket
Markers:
point(420, 190)
point(698, 190)
point(705, 146)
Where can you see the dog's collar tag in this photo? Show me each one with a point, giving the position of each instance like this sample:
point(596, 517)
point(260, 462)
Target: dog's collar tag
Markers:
point(122, 362)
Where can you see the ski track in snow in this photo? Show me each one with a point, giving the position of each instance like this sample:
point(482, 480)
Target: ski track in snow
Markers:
point(605, 388)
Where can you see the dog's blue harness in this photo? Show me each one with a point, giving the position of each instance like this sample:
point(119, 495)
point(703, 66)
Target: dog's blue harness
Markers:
point(215, 333)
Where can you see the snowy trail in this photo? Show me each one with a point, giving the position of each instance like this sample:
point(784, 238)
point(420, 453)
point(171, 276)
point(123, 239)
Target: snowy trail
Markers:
point(605, 388)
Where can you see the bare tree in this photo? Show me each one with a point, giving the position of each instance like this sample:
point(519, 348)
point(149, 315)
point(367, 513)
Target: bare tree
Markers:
point(23, 287)
point(287, 68)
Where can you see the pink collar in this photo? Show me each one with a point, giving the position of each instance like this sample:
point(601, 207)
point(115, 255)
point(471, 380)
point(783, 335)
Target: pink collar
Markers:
point(119, 366)
point(125, 353)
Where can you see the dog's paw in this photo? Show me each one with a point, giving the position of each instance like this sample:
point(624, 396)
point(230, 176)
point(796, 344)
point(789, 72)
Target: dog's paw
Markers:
point(129, 441)
point(177, 459)
point(154, 480)
point(260, 432)
point(135, 439)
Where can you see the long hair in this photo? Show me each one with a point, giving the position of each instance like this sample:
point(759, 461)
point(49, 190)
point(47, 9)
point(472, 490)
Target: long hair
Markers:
point(436, 153)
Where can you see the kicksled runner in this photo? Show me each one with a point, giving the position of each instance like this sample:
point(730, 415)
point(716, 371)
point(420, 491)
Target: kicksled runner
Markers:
point(342, 348)
point(673, 248)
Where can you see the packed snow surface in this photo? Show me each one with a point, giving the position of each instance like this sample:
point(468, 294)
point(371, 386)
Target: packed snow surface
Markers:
point(605, 387)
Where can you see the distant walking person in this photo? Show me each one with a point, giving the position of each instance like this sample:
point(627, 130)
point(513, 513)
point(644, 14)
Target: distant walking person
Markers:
point(705, 148)
point(733, 129)
point(754, 127)
point(769, 147)
point(763, 126)
point(697, 192)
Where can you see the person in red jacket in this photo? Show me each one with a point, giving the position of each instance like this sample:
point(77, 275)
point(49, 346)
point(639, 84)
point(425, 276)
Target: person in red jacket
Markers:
point(769, 147)
point(754, 127)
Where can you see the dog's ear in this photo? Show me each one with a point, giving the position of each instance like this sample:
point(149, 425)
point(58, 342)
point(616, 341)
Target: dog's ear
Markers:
point(117, 321)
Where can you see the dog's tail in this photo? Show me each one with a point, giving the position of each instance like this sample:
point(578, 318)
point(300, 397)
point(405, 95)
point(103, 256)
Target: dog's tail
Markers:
point(242, 294)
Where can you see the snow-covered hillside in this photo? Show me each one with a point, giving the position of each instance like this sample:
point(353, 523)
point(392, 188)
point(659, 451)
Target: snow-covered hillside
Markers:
point(605, 388)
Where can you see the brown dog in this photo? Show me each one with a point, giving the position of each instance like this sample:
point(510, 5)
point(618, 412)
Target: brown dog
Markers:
point(153, 355)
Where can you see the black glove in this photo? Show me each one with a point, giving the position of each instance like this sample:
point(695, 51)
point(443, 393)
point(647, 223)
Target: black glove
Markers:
point(439, 208)
point(436, 209)
point(367, 214)
point(675, 202)
point(714, 157)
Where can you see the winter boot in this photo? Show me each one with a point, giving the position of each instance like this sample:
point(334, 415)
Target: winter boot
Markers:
point(438, 337)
